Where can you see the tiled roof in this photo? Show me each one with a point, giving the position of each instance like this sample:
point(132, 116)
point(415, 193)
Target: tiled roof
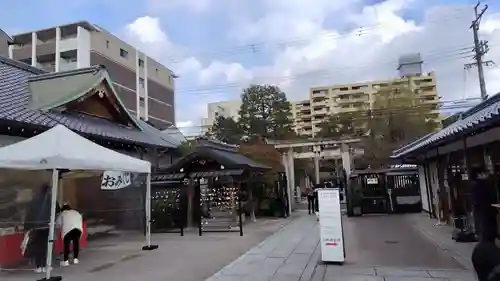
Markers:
point(478, 116)
point(15, 95)
point(227, 156)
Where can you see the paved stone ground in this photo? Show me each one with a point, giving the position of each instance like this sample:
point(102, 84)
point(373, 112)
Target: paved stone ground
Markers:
point(390, 248)
point(359, 273)
point(289, 255)
point(440, 235)
point(188, 258)
point(378, 248)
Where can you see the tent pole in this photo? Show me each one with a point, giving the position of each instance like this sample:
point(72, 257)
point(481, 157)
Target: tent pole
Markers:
point(50, 240)
point(148, 246)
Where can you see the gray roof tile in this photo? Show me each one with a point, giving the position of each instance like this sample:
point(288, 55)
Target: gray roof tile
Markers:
point(15, 95)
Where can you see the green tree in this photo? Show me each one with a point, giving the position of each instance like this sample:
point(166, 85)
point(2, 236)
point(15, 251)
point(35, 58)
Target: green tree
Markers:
point(265, 113)
point(265, 154)
point(225, 129)
point(397, 117)
point(343, 125)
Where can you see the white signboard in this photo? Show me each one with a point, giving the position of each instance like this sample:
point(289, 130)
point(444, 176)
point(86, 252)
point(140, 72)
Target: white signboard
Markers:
point(112, 180)
point(372, 181)
point(330, 223)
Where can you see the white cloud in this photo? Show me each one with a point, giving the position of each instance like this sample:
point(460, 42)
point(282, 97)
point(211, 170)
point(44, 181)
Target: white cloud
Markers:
point(326, 42)
point(146, 34)
point(329, 56)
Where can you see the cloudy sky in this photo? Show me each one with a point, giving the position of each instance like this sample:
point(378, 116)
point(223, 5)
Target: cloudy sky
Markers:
point(217, 47)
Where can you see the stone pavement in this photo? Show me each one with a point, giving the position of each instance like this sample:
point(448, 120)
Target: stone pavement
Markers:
point(291, 254)
point(356, 273)
point(378, 248)
point(188, 258)
point(441, 236)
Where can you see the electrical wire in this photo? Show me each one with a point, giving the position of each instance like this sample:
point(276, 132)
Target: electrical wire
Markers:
point(298, 41)
point(457, 54)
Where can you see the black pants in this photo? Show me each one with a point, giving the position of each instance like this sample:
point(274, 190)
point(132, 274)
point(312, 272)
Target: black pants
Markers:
point(72, 237)
point(38, 246)
point(310, 204)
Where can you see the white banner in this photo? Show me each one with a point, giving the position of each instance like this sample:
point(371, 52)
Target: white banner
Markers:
point(112, 180)
point(330, 225)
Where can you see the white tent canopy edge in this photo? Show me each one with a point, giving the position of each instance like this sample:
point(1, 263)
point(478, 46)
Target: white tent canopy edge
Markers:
point(60, 148)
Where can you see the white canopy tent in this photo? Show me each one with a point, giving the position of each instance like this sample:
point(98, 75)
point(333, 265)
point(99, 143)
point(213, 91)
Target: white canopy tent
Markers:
point(60, 148)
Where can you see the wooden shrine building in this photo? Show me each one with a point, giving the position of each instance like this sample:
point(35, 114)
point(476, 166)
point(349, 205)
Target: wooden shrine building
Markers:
point(208, 184)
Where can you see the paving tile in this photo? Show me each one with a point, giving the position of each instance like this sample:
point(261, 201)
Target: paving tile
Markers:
point(292, 268)
point(453, 274)
point(354, 278)
point(230, 278)
point(285, 277)
point(298, 258)
point(340, 270)
point(403, 278)
point(402, 272)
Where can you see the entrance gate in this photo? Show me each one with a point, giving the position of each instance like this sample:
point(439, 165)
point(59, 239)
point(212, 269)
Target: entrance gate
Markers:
point(394, 190)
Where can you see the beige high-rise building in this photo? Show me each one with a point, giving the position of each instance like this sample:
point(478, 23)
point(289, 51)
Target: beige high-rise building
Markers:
point(221, 108)
point(145, 86)
point(302, 118)
point(356, 97)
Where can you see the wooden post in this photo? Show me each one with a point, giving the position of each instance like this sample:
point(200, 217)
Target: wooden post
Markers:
point(200, 211)
point(430, 193)
point(240, 211)
point(190, 198)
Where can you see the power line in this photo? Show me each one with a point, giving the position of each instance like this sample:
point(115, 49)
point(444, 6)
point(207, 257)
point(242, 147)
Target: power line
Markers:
point(480, 49)
point(256, 47)
point(458, 53)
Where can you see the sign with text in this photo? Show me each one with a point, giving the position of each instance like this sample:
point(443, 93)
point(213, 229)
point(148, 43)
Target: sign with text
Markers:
point(112, 180)
point(330, 224)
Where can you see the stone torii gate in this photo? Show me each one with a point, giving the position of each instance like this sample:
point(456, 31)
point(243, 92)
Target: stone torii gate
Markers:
point(316, 150)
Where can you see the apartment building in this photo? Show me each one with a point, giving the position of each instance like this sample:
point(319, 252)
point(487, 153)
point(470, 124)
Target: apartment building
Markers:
point(5, 40)
point(301, 116)
point(359, 97)
point(145, 86)
point(222, 108)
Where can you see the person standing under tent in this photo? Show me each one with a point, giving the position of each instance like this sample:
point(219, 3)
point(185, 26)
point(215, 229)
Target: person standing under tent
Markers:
point(36, 225)
point(71, 223)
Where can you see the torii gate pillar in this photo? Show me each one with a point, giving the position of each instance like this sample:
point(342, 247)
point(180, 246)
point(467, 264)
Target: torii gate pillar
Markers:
point(288, 163)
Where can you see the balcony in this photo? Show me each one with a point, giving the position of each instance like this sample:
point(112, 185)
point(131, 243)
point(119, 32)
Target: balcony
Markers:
point(304, 116)
point(323, 111)
point(428, 92)
point(350, 109)
point(430, 101)
point(321, 103)
point(317, 121)
point(319, 93)
point(361, 100)
point(305, 108)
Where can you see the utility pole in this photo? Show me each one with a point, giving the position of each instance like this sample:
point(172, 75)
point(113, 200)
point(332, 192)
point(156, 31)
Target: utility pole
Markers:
point(480, 49)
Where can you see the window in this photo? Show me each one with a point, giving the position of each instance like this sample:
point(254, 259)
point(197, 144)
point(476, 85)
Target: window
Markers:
point(141, 82)
point(123, 53)
point(107, 44)
point(141, 63)
point(142, 101)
